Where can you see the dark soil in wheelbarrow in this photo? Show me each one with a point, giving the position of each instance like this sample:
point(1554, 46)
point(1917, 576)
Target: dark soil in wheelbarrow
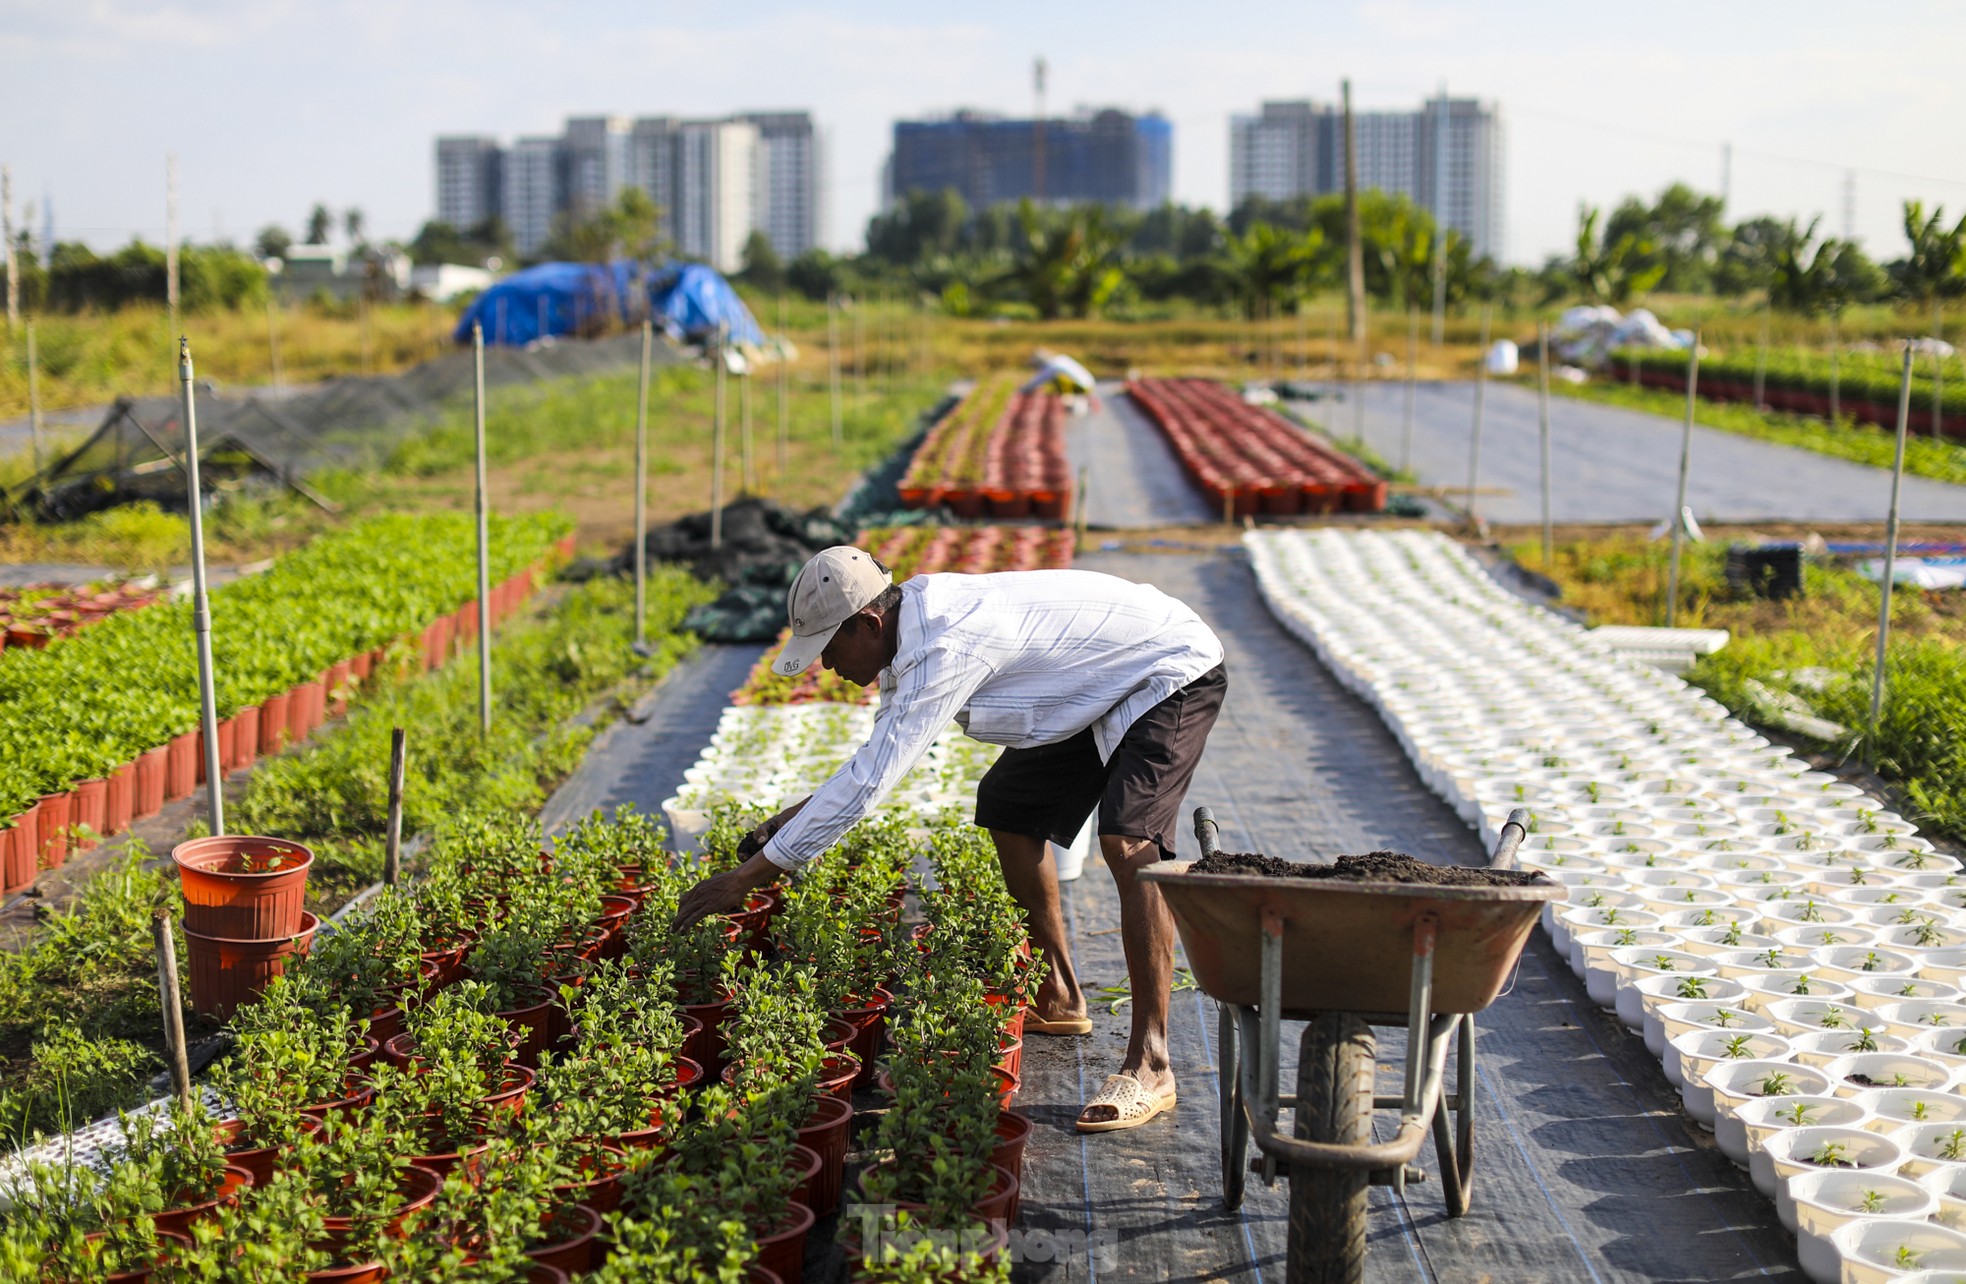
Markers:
point(1372, 867)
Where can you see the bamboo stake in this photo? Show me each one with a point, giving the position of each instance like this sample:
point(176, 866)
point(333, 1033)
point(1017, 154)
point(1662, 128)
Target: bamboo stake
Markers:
point(642, 491)
point(784, 407)
point(750, 476)
point(1543, 421)
point(1412, 388)
point(833, 363)
point(1474, 436)
point(272, 338)
point(484, 535)
point(34, 396)
point(1835, 380)
point(1761, 364)
point(201, 606)
point(399, 759)
point(717, 452)
point(1890, 546)
point(169, 997)
point(1679, 502)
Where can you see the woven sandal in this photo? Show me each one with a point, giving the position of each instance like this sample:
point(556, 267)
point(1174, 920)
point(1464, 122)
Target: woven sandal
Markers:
point(1130, 1102)
point(1035, 1024)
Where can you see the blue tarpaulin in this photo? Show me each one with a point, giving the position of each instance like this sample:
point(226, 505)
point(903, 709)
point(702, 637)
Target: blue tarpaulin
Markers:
point(691, 299)
point(555, 299)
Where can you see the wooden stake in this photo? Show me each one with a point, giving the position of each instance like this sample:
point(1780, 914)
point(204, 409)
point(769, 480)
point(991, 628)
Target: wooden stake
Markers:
point(1543, 417)
point(1474, 437)
point(1890, 546)
point(399, 761)
point(1679, 502)
point(168, 996)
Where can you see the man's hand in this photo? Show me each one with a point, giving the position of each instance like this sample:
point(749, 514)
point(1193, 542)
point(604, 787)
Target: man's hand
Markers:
point(723, 893)
point(754, 842)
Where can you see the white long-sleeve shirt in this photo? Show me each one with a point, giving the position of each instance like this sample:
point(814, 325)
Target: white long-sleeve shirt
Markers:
point(1019, 659)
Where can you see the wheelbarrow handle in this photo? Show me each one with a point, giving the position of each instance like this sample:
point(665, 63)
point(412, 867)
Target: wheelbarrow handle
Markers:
point(1514, 830)
point(1207, 833)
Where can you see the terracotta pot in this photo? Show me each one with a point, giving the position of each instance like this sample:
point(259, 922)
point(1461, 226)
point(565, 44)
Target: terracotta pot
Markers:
point(242, 887)
point(153, 769)
point(533, 1023)
point(245, 738)
point(783, 1251)
point(449, 961)
point(117, 804)
point(337, 687)
point(827, 1134)
point(436, 641)
point(181, 771)
point(16, 860)
point(228, 730)
point(707, 1050)
point(274, 714)
point(1013, 1131)
point(601, 1189)
point(227, 972)
point(418, 1186)
point(87, 812)
point(993, 1209)
point(365, 1273)
point(869, 1024)
point(260, 1161)
point(358, 1093)
point(837, 1075)
point(305, 705)
point(56, 810)
point(180, 1220)
point(573, 1254)
point(166, 1240)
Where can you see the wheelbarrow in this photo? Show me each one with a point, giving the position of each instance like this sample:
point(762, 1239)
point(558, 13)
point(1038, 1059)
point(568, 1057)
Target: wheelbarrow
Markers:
point(1344, 957)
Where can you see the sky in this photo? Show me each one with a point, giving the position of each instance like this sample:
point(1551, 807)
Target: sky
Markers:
point(271, 106)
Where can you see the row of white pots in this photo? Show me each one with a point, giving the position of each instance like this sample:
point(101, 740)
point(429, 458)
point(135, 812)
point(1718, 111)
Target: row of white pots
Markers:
point(1732, 906)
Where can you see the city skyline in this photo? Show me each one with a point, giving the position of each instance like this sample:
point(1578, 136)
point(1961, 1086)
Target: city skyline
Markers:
point(1598, 107)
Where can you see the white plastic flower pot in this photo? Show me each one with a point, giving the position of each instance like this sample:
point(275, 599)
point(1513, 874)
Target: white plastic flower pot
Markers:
point(1877, 1251)
point(1689, 1057)
point(1668, 988)
point(1849, 964)
point(1828, 1199)
point(1913, 1017)
point(1743, 1133)
point(1861, 1070)
point(1931, 1145)
point(1717, 940)
point(1807, 1015)
point(1826, 1148)
point(1635, 963)
point(1945, 1045)
point(1666, 1021)
point(1590, 956)
point(1821, 1047)
point(1893, 1108)
point(1790, 983)
point(1949, 1184)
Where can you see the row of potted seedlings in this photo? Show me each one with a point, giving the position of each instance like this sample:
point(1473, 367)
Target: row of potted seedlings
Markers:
point(1000, 452)
point(102, 731)
point(1249, 459)
point(1793, 952)
point(34, 615)
point(908, 551)
point(511, 1068)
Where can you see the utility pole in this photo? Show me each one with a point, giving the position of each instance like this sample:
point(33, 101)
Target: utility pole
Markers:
point(1440, 216)
point(833, 363)
point(34, 397)
point(1726, 174)
point(1354, 250)
point(1037, 135)
point(170, 237)
point(1543, 417)
point(13, 257)
point(1474, 437)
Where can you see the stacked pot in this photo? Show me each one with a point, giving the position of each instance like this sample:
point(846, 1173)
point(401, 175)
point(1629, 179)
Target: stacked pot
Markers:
point(244, 916)
point(1791, 950)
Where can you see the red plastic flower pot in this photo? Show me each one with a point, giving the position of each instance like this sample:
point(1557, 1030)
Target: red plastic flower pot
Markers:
point(245, 738)
point(436, 641)
point(89, 811)
point(707, 1046)
point(273, 717)
point(303, 704)
point(228, 728)
point(827, 1134)
point(993, 1209)
point(261, 1161)
point(533, 1023)
point(573, 1250)
point(16, 865)
point(181, 769)
point(153, 770)
point(783, 1251)
point(357, 1093)
point(600, 1190)
point(362, 1273)
point(837, 1074)
point(116, 809)
point(241, 887)
point(228, 972)
point(418, 1187)
point(337, 687)
point(869, 1023)
point(838, 1035)
point(55, 812)
point(167, 1241)
point(179, 1220)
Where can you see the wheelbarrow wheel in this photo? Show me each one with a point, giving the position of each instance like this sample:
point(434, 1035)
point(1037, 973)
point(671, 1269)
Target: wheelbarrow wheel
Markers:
point(1334, 1104)
point(1235, 1125)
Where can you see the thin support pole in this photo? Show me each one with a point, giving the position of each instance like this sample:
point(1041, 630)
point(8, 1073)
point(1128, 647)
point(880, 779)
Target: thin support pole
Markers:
point(717, 453)
point(1078, 505)
point(784, 402)
point(1412, 388)
point(642, 490)
point(1761, 364)
point(170, 999)
point(1679, 499)
point(399, 761)
point(1835, 375)
point(1890, 546)
point(34, 396)
point(1938, 371)
point(484, 535)
point(201, 606)
point(750, 479)
point(272, 338)
point(1474, 436)
point(1543, 421)
point(833, 364)
point(859, 355)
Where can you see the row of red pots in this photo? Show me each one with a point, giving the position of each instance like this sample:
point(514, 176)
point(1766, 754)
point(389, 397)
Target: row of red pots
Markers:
point(33, 626)
point(1806, 401)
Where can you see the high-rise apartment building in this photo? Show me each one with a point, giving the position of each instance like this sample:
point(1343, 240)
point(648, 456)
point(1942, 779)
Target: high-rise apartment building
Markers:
point(715, 181)
point(1110, 157)
point(468, 180)
point(1446, 156)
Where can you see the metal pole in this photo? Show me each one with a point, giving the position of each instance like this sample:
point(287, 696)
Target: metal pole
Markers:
point(169, 997)
point(784, 406)
point(399, 761)
point(484, 536)
point(1412, 388)
point(272, 337)
point(717, 454)
point(7, 247)
point(34, 396)
point(1440, 219)
point(1474, 437)
point(1835, 379)
point(1938, 370)
point(833, 362)
point(201, 607)
point(744, 430)
point(1543, 419)
point(1354, 245)
point(1890, 546)
point(859, 355)
point(642, 490)
point(1679, 501)
point(1761, 364)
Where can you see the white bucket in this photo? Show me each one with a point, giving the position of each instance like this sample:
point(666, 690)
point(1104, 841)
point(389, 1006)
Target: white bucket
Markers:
point(1071, 860)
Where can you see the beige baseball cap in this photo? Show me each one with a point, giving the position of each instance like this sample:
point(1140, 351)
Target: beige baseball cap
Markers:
point(831, 588)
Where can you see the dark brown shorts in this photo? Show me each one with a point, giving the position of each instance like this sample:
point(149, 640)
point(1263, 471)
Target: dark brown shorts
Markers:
point(1047, 792)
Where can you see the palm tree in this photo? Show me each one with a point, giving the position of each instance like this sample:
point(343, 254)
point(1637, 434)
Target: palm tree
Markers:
point(1614, 273)
point(1271, 265)
point(1070, 266)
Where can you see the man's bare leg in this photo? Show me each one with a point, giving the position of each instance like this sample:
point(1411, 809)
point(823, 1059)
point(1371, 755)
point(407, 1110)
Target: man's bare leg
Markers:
point(1147, 932)
point(1031, 874)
